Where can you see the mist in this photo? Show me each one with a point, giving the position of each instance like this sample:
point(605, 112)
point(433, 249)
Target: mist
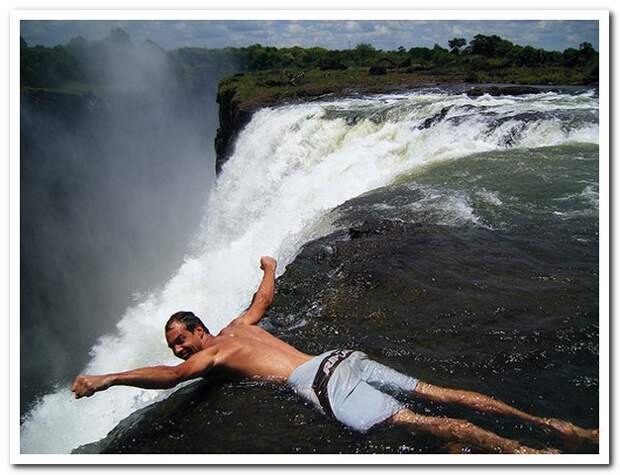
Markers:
point(113, 187)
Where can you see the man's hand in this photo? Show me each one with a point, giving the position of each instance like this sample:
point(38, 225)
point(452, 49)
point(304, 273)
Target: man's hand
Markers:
point(89, 385)
point(268, 262)
point(263, 296)
point(151, 377)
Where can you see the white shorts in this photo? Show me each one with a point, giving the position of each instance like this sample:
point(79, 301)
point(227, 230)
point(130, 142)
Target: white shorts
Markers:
point(353, 389)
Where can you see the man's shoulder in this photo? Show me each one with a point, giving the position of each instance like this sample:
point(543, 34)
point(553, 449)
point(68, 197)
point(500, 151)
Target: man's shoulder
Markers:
point(225, 331)
point(237, 328)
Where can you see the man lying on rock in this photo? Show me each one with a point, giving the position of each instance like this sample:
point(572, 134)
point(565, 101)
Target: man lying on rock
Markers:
point(346, 385)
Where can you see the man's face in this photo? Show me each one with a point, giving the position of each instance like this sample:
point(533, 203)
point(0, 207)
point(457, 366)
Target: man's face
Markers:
point(182, 342)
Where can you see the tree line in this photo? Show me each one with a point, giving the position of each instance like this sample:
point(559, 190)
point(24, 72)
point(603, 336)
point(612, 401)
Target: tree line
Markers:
point(83, 61)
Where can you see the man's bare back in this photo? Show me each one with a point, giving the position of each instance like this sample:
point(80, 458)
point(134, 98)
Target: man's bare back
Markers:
point(245, 349)
point(250, 351)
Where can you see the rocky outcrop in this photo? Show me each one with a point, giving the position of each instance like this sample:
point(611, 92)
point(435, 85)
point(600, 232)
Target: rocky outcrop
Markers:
point(396, 291)
point(233, 118)
point(341, 291)
point(235, 113)
point(507, 90)
point(239, 96)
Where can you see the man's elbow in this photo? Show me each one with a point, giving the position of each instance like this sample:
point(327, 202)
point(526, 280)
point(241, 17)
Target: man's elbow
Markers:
point(175, 376)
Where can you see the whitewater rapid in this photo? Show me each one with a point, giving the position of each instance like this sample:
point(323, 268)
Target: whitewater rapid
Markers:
point(291, 165)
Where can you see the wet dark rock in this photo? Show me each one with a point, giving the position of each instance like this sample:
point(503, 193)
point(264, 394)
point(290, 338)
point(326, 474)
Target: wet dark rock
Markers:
point(428, 123)
point(504, 90)
point(417, 298)
point(232, 121)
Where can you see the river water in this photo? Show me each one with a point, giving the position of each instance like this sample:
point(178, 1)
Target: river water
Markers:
point(497, 199)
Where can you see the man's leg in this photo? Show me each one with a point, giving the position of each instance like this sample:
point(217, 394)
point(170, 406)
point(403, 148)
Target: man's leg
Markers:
point(570, 432)
point(360, 405)
point(455, 430)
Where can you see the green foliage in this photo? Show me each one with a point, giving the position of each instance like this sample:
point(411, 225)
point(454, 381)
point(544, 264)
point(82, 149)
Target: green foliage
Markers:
point(472, 76)
point(363, 54)
point(48, 67)
point(490, 46)
point(333, 60)
point(377, 70)
point(456, 44)
point(485, 58)
point(440, 56)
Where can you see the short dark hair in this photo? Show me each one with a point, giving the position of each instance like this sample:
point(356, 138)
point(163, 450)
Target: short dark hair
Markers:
point(188, 319)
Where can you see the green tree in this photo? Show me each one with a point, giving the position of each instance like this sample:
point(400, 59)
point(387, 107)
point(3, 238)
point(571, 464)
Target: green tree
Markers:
point(527, 56)
point(586, 52)
point(48, 67)
point(332, 60)
point(364, 53)
point(456, 44)
point(419, 54)
point(570, 57)
point(490, 46)
point(440, 56)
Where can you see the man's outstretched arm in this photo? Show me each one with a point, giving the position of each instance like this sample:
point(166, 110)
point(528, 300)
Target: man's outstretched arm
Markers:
point(263, 296)
point(154, 377)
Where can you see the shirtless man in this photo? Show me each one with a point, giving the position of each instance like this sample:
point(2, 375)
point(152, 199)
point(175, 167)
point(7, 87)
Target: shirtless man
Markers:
point(343, 384)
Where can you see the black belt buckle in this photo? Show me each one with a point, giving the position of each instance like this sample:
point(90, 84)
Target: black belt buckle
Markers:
point(323, 374)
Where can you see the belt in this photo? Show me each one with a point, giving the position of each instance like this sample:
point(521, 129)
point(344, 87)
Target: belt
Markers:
point(325, 371)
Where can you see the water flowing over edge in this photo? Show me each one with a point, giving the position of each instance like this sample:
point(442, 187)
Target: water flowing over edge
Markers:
point(291, 165)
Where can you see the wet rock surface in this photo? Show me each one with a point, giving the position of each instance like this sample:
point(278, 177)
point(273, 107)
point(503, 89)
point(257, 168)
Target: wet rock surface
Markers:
point(507, 90)
point(454, 306)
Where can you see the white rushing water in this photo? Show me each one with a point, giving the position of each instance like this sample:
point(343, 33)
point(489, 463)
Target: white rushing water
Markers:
point(291, 165)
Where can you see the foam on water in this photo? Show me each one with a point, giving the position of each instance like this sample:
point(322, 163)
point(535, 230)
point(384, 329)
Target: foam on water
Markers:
point(291, 165)
point(490, 197)
point(439, 206)
point(590, 195)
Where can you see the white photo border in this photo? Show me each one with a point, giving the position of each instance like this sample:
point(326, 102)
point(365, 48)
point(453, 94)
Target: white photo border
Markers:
point(602, 16)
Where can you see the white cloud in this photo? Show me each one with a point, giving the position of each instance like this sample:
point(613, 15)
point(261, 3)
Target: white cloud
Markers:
point(352, 26)
point(382, 30)
point(294, 28)
point(330, 34)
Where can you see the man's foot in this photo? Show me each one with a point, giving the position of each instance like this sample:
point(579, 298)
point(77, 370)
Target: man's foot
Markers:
point(457, 448)
point(529, 450)
point(460, 448)
point(573, 435)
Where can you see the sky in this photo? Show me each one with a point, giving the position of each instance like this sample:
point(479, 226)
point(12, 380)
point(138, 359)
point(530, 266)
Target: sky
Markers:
point(341, 34)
